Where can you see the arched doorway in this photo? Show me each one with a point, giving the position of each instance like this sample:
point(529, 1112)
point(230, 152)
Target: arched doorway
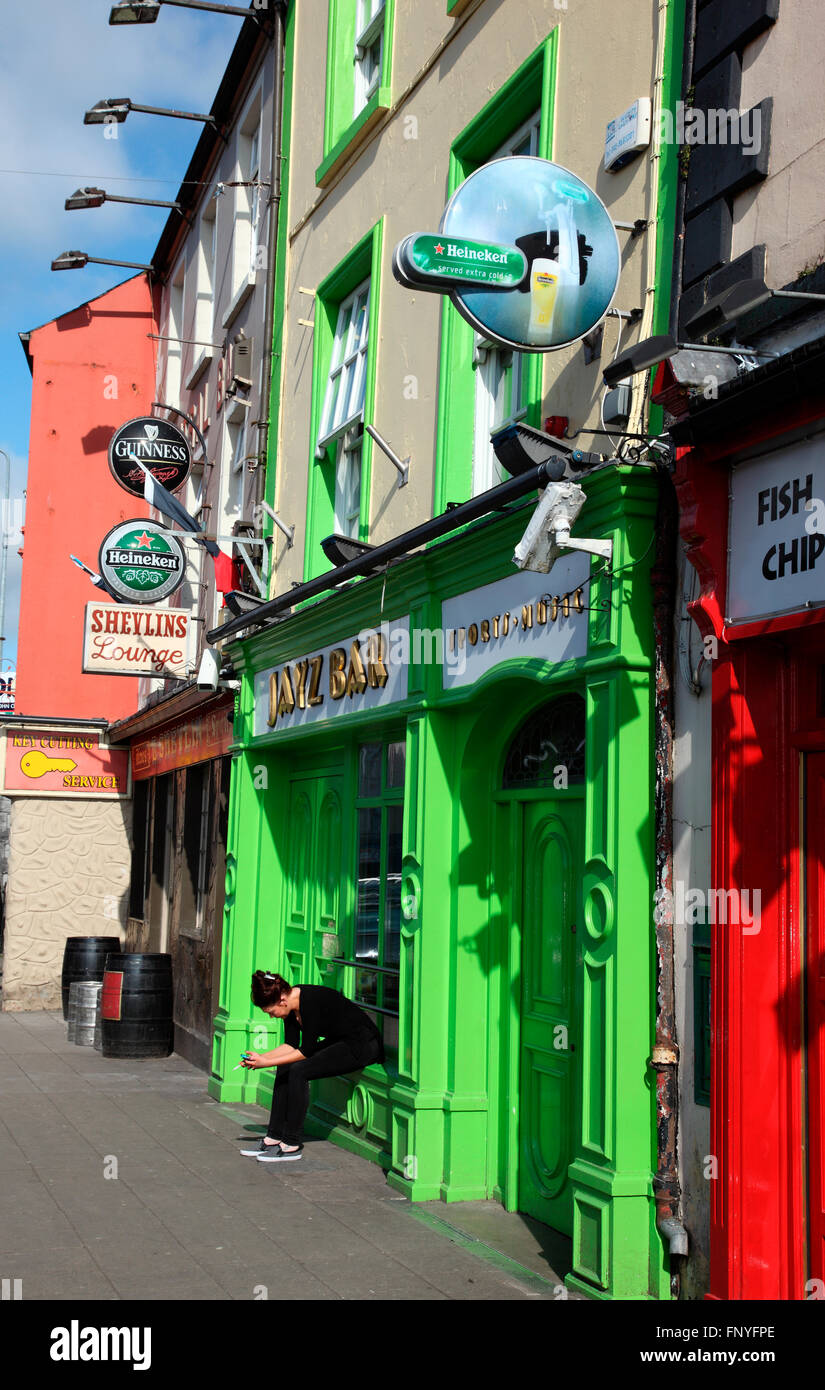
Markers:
point(544, 773)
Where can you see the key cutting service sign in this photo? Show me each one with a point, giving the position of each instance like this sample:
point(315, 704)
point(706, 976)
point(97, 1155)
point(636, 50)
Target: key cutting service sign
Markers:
point(62, 761)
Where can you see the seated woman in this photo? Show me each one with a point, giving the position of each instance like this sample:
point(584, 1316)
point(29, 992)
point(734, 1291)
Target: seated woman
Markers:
point(324, 1035)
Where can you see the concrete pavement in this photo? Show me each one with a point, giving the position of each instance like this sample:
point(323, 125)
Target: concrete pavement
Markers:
point(123, 1180)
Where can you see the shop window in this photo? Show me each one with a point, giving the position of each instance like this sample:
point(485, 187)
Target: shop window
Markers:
point(701, 1013)
point(343, 395)
point(141, 826)
point(359, 43)
point(551, 739)
point(483, 386)
point(377, 942)
point(198, 806)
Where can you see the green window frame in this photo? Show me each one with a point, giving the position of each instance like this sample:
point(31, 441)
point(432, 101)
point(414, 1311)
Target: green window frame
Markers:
point(350, 447)
point(358, 77)
point(376, 921)
point(530, 89)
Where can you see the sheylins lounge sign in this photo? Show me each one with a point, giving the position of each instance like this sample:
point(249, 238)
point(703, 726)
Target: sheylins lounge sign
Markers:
point(141, 561)
point(123, 641)
point(526, 251)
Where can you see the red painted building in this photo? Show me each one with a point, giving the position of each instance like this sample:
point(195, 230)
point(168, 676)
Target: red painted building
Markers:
point(92, 369)
point(751, 485)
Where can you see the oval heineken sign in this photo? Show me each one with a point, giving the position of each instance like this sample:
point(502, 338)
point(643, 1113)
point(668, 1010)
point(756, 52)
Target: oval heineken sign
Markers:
point(158, 445)
point(438, 262)
point(141, 562)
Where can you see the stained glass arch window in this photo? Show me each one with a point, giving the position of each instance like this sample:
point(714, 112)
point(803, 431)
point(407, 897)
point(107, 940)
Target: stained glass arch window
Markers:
point(552, 737)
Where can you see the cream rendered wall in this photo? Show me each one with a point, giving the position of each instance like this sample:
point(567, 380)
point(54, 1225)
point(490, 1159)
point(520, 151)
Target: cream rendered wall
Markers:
point(68, 876)
point(787, 211)
point(602, 67)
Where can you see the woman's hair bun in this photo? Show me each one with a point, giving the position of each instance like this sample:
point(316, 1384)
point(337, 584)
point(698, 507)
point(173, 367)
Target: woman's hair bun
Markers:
point(268, 988)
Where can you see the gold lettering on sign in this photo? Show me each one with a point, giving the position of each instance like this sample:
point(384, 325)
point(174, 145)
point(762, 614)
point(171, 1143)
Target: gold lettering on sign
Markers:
point(272, 717)
point(301, 668)
point(579, 600)
point(286, 698)
point(337, 673)
point(472, 634)
point(565, 606)
point(316, 666)
point(376, 666)
point(495, 626)
point(356, 676)
point(505, 625)
point(541, 612)
point(485, 630)
point(527, 615)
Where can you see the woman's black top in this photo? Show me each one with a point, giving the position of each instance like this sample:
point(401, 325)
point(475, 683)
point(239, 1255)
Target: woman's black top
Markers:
point(328, 1017)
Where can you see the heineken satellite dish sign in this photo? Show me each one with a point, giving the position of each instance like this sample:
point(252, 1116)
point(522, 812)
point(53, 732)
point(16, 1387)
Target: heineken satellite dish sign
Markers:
point(526, 251)
point(141, 562)
point(158, 445)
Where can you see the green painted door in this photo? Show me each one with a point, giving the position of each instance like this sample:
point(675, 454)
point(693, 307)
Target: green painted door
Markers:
point(550, 1055)
point(314, 872)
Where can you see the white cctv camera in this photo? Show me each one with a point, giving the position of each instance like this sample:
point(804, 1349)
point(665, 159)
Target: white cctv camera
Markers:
point(548, 531)
point(210, 669)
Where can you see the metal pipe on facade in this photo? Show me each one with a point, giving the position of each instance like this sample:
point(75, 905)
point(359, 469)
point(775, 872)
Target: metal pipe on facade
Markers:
point(664, 1060)
point(274, 206)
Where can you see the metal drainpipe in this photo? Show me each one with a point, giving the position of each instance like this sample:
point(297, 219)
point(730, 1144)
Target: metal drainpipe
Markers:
point(681, 184)
point(664, 1060)
point(272, 251)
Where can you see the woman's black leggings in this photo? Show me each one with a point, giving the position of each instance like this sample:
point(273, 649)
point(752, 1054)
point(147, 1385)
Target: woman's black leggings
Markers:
point(290, 1097)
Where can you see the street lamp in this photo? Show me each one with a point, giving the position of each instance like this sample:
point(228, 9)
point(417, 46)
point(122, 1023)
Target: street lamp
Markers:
point(734, 303)
point(76, 260)
point(117, 109)
point(96, 197)
point(147, 11)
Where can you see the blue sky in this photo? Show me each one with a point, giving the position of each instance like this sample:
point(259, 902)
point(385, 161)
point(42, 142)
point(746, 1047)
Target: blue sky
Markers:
point(58, 58)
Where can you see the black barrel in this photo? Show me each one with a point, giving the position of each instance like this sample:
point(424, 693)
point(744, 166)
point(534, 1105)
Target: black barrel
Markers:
point(85, 959)
point(136, 1006)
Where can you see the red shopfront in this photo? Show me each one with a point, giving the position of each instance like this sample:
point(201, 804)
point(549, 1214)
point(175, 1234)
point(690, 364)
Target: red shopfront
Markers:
point(751, 488)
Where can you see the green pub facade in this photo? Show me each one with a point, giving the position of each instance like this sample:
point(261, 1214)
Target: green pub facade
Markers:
point(442, 805)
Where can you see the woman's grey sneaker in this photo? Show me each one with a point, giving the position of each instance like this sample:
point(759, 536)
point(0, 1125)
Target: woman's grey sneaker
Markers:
point(281, 1155)
point(262, 1148)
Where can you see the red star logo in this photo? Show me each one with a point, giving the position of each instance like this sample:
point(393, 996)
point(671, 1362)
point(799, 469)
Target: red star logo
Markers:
point(439, 248)
point(144, 542)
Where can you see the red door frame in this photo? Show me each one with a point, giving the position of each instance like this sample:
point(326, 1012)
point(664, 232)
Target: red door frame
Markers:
point(815, 943)
point(764, 714)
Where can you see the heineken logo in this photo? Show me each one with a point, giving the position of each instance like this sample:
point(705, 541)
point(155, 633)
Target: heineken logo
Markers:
point(435, 262)
point(158, 445)
point(141, 562)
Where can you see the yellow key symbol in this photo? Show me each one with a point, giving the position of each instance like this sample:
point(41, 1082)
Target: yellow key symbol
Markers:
point(35, 764)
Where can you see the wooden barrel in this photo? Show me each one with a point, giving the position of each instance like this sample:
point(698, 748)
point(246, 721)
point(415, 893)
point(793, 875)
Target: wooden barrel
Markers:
point(136, 1006)
point(83, 997)
point(85, 959)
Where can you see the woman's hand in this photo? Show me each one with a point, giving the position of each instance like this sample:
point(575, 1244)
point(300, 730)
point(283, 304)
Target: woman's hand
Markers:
point(254, 1059)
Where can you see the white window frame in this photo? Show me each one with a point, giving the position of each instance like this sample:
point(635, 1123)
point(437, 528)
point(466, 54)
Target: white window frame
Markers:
point(369, 32)
point(206, 256)
point(347, 377)
point(499, 371)
point(248, 204)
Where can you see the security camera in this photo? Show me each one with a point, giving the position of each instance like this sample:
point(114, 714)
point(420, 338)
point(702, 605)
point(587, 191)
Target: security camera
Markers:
point(210, 669)
point(548, 530)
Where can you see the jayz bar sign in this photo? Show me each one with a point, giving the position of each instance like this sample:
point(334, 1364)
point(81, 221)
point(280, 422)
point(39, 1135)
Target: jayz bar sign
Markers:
point(777, 533)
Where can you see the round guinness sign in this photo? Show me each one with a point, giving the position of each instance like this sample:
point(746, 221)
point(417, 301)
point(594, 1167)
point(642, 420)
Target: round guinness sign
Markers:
point(141, 562)
point(155, 443)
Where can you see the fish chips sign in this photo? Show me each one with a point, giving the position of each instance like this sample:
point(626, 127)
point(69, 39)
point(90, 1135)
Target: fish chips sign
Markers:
point(123, 641)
